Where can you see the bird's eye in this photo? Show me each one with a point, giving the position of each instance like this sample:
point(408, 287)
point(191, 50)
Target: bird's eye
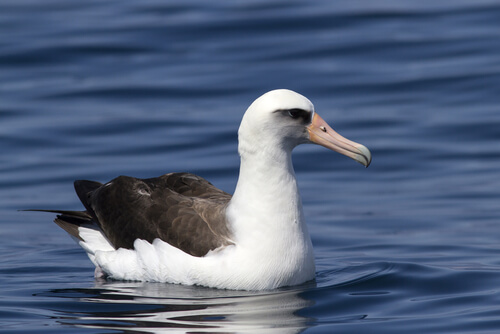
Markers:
point(295, 113)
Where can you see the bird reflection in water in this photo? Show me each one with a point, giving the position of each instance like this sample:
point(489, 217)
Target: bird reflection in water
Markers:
point(165, 308)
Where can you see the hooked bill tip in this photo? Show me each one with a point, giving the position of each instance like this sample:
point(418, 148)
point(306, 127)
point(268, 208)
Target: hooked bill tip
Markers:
point(365, 156)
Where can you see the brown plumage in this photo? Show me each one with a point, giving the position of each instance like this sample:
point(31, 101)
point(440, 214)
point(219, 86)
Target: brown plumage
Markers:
point(182, 209)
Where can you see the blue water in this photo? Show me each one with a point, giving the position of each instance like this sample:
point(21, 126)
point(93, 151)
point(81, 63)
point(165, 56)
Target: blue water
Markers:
point(96, 89)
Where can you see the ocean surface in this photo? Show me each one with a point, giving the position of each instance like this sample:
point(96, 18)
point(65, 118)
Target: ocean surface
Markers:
point(96, 89)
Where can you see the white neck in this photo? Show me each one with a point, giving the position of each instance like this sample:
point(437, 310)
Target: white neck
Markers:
point(267, 221)
point(266, 199)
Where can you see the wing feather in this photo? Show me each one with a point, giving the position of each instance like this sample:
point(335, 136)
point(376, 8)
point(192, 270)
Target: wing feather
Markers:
point(182, 209)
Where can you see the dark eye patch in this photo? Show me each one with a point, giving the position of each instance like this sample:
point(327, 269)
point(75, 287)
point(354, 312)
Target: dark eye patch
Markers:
point(296, 113)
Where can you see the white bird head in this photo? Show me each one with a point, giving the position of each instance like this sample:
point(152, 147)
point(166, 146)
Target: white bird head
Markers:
point(282, 119)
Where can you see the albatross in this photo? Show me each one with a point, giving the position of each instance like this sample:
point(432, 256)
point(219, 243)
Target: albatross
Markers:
point(179, 228)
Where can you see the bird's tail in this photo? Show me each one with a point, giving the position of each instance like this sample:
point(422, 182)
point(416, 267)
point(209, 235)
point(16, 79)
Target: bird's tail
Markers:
point(70, 221)
point(81, 226)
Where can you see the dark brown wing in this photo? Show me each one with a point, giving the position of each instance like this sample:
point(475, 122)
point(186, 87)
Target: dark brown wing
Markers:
point(182, 209)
